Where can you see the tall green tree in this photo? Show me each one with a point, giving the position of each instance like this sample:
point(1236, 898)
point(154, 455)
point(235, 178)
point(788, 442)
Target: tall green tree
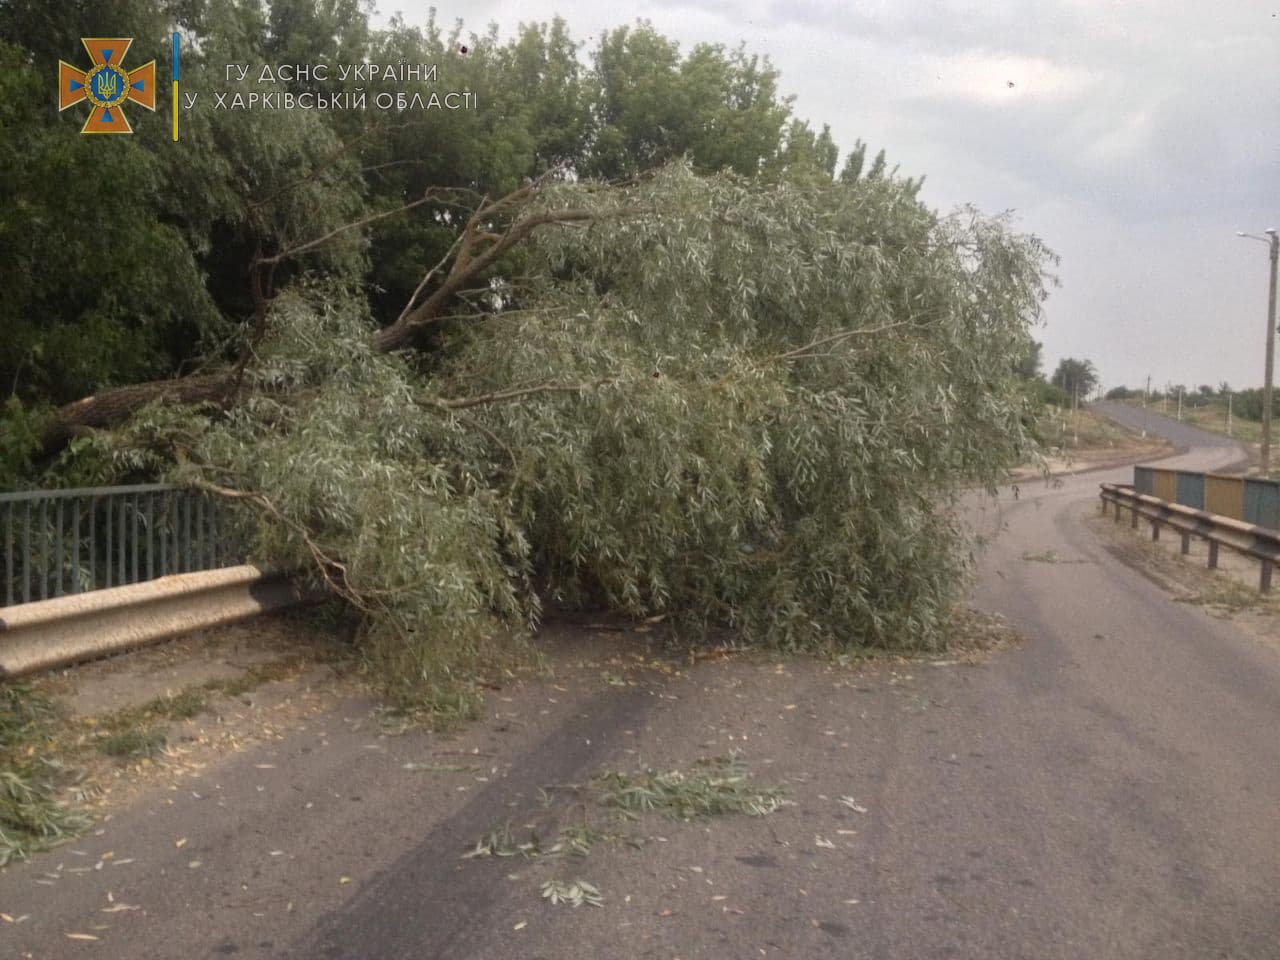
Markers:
point(102, 283)
point(805, 153)
point(535, 116)
point(1028, 365)
point(720, 107)
point(1076, 377)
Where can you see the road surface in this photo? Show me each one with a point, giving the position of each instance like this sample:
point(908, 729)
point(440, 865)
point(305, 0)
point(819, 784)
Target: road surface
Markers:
point(1108, 789)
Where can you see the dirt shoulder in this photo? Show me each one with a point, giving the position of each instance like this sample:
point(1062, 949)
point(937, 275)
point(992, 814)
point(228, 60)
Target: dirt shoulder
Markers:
point(1083, 440)
point(1228, 593)
point(151, 718)
point(1059, 462)
point(99, 735)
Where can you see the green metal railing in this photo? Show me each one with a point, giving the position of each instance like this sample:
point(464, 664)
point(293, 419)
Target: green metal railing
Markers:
point(57, 542)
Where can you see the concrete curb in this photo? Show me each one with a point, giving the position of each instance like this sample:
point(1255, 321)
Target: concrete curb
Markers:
point(51, 633)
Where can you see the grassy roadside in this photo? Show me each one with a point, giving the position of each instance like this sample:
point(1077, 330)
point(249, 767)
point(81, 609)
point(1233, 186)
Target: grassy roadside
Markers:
point(1210, 415)
point(138, 731)
point(48, 758)
point(1075, 439)
point(1227, 592)
point(57, 766)
point(1081, 429)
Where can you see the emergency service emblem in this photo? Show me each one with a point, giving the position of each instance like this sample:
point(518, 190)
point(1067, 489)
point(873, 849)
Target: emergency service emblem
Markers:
point(107, 85)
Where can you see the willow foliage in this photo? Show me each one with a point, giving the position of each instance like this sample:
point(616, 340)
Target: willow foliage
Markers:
point(792, 383)
point(729, 402)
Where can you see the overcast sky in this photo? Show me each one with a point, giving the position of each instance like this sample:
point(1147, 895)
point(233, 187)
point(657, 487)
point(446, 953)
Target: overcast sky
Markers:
point(1136, 139)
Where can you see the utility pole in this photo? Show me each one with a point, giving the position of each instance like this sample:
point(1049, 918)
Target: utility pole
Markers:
point(1145, 396)
point(1229, 398)
point(1272, 240)
point(1075, 418)
point(1179, 404)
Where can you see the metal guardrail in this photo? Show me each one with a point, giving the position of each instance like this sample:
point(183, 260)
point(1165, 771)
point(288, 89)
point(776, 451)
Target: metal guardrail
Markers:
point(51, 633)
point(56, 542)
point(1260, 543)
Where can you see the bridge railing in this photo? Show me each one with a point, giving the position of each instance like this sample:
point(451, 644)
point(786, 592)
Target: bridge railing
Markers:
point(59, 542)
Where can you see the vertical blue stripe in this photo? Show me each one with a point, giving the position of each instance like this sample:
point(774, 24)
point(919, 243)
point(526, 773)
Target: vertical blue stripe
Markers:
point(175, 58)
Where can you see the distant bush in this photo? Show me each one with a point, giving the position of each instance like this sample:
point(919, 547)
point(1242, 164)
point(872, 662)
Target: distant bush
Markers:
point(1121, 393)
point(1248, 404)
point(1043, 392)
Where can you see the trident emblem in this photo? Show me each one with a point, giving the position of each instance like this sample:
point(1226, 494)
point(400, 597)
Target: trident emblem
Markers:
point(106, 85)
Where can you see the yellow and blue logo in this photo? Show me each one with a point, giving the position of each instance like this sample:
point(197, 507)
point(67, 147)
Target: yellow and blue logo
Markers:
point(107, 85)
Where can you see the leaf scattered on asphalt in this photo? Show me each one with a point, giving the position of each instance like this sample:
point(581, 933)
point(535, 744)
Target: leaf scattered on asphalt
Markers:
point(715, 787)
point(575, 894)
point(501, 841)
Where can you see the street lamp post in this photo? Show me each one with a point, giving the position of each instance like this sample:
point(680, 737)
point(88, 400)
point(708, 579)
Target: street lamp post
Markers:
point(1272, 240)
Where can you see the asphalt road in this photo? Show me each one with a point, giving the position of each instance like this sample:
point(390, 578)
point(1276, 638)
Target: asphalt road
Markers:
point(1204, 448)
point(1108, 789)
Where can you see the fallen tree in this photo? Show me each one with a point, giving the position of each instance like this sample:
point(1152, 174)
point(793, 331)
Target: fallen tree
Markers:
point(477, 248)
point(716, 399)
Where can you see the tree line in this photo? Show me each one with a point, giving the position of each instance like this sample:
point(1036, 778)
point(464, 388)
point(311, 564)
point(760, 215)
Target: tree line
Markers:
point(1246, 404)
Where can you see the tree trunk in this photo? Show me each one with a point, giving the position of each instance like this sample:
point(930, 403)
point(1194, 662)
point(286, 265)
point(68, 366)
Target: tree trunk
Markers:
point(113, 406)
point(477, 249)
